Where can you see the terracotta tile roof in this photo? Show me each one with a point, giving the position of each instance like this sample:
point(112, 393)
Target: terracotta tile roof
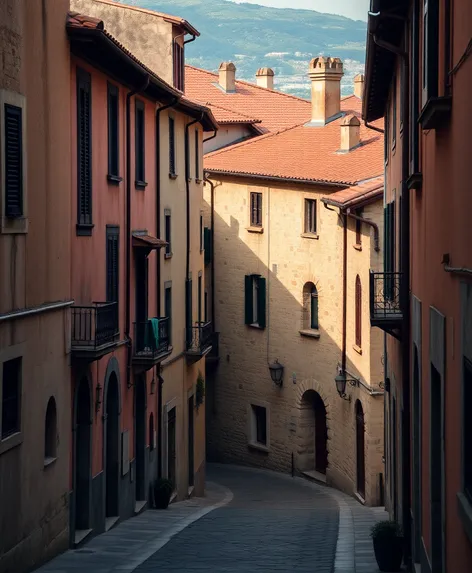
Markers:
point(167, 17)
point(361, 194)
point(303, 153)
point(226, 115)
point(275, 109)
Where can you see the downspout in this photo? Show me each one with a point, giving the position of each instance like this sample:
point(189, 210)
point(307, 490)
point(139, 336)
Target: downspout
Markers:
point(192, 39)
point(128, 228)
point(371, 224)
point(211, 136)
point(212, 241)
point(370, 126)
point(158, 198)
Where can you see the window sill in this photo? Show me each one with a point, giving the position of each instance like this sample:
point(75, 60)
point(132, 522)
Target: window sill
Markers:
point(255, 229)
point(173, 175)
point(115, 179)
point(84, 230)
point(14, 226)
point(11, 442)
point(358, 247)
point(198, 181)
point(358, 349)
point(48, 462)
point(415, 181)
point(257, 446)
point(256, 326)
point(465, 513)
point(310, 332)
point(140, 185)
point(310, 236)
point(168, 256)
point(436, 112)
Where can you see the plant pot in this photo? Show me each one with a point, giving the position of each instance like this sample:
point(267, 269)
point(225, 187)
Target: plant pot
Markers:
point(389, 553)
point(162, 497)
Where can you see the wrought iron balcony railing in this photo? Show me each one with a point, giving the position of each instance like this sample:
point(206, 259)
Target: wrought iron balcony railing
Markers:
point(94, 326)
point(199, 337)
point(151, 338)
point(385, 307)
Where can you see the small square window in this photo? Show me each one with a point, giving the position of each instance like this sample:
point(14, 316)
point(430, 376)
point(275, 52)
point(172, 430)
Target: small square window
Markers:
point(11, 393)
point(259, 414)
point(310, 216)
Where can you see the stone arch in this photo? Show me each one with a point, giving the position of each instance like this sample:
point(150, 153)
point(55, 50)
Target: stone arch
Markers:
point(111, 439)
point(113, 367)
point(310, 313)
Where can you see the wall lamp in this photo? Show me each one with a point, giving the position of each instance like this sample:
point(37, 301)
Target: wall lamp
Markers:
point(276, 372)
point(341, 380)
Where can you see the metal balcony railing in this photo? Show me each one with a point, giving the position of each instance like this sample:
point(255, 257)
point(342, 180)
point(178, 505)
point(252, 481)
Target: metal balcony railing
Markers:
point(94, 325)
point(385, 297)
point(199, 337)
point(151, 338)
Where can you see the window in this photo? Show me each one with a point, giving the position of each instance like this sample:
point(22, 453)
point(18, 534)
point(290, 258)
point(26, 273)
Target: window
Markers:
point(197, 156)
point(189, 310)
point(199, 295)
point(256, 210)
point(50, 432)
point(13, 132)
point(358, 312)
point(139, 145)
point(171, 447)
point(310, 216)
point(84, 153)
point(168, 307)
point(113, 263)
point(113, 134)
point(467, 430)
point(11, 398)
point(179, 65)
point(310, 307)
point(394, 112)
point(387, 136)
point(358, 233)
point(430, 59)
point(205, 307)
point(207, 244)
point(259, 435)
point(187, 156)
point(255, 300)
point(389, 256)
point(202, 238)
point(168, 233)
point(414, 89)
point(172, 171)
point(152, 440)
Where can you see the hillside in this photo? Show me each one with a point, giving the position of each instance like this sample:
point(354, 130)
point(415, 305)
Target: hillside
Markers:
point(253, 36)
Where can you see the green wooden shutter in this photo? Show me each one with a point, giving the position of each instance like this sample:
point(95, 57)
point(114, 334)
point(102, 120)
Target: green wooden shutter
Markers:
point(261, 302)
point(248, 310)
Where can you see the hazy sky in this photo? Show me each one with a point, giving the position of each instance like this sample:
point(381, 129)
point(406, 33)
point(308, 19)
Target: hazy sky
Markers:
point(356, 9)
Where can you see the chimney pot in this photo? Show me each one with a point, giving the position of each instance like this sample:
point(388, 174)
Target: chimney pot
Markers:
point(227, 76)
point(325, 74)
point(265, 78)
point(359, 86)
point(350, 132)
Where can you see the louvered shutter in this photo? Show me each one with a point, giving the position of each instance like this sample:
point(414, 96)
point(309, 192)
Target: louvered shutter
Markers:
point(188, 310)
point(207, 245)
point(261, 302)
point(112, 264)
point(171, 146)
point(84, 148)
point(13, 161)
point(259, 209)
point(248, 309)
point(197, 156)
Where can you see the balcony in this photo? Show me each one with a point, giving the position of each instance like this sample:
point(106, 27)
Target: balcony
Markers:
point(150, 343)
point(95, 330)
point(199, 341)
point(385, 308)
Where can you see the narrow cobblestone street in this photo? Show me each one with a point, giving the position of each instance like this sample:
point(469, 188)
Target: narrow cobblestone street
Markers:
point(250, 521)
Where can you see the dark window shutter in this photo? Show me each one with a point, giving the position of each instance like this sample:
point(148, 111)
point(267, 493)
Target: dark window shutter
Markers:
point(188, 309)
point(248, 310)
point(197, 156)
point(207, 245)
point(84, 148)
point(113, 131)
point(259, 209)
point(314, 308)
point(171, 146)
point(187, 155)
point(261, 302)
point(112, 262)
point(358, 312)
point(13, 161)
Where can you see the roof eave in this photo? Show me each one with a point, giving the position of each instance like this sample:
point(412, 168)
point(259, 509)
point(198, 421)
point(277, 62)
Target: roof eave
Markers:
point(319, 182)
point(184, 24)
point(358, 202)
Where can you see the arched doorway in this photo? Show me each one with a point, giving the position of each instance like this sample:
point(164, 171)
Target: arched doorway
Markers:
point(360, 450)
point(140, 437)
point(111, 441)
point(83, 456)
point(313, 439)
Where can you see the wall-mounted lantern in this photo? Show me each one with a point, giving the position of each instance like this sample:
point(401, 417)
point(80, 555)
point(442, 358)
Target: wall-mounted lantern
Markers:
point(341, 380)
point(276, 372)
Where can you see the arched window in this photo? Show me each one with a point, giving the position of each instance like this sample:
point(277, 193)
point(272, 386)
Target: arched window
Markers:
point(358, 312)
point(310, 307)
point(151, 431)
point(50, 431)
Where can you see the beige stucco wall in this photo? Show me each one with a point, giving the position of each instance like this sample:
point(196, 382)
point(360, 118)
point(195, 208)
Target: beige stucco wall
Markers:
point(34, 270)
point(227, 134)
point(146, 35)
point(288, 261)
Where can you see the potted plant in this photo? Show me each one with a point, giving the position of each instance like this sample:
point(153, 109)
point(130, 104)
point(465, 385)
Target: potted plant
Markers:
point(163, 489)
point(388, 545)
point(200, 391)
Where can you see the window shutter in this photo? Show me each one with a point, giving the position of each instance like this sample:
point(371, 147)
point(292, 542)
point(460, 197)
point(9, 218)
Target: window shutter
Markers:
point(314, 309)
point(197, 156)
point(259, 208)
point(207, 245)
point(188, 309)
point(248, 310)
point(13, 161)
point(84, 148)
point(261, 302)
point(358, 312)
point(112, 264)
point(171, 146)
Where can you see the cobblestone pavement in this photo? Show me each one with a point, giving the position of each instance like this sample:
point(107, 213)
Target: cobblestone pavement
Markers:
point(250, 521)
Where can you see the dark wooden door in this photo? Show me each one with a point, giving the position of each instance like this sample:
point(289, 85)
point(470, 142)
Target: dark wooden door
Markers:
point(321, 436)
point(171, 447)
point(140, 438)
point(191, 441)
point(360, 449)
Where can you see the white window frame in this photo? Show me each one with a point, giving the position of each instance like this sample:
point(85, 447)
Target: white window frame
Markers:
point(252, 427)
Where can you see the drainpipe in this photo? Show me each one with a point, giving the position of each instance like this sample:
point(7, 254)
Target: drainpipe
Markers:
point(212, 240)
point(160, 381)
point(367, 222)
point(192, 39)
point(370, 126)
point(211, 136)
point(128, 227)
point(158, 198)
point(343, 361)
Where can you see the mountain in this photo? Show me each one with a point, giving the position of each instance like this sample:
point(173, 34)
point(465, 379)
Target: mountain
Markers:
point(255, 36)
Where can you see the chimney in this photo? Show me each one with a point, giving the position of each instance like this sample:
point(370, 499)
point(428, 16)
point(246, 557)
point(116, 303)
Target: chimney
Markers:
point(227, 75)
point(359, 86)
point(265, 78)
point(350, 133)
point(325, 75)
